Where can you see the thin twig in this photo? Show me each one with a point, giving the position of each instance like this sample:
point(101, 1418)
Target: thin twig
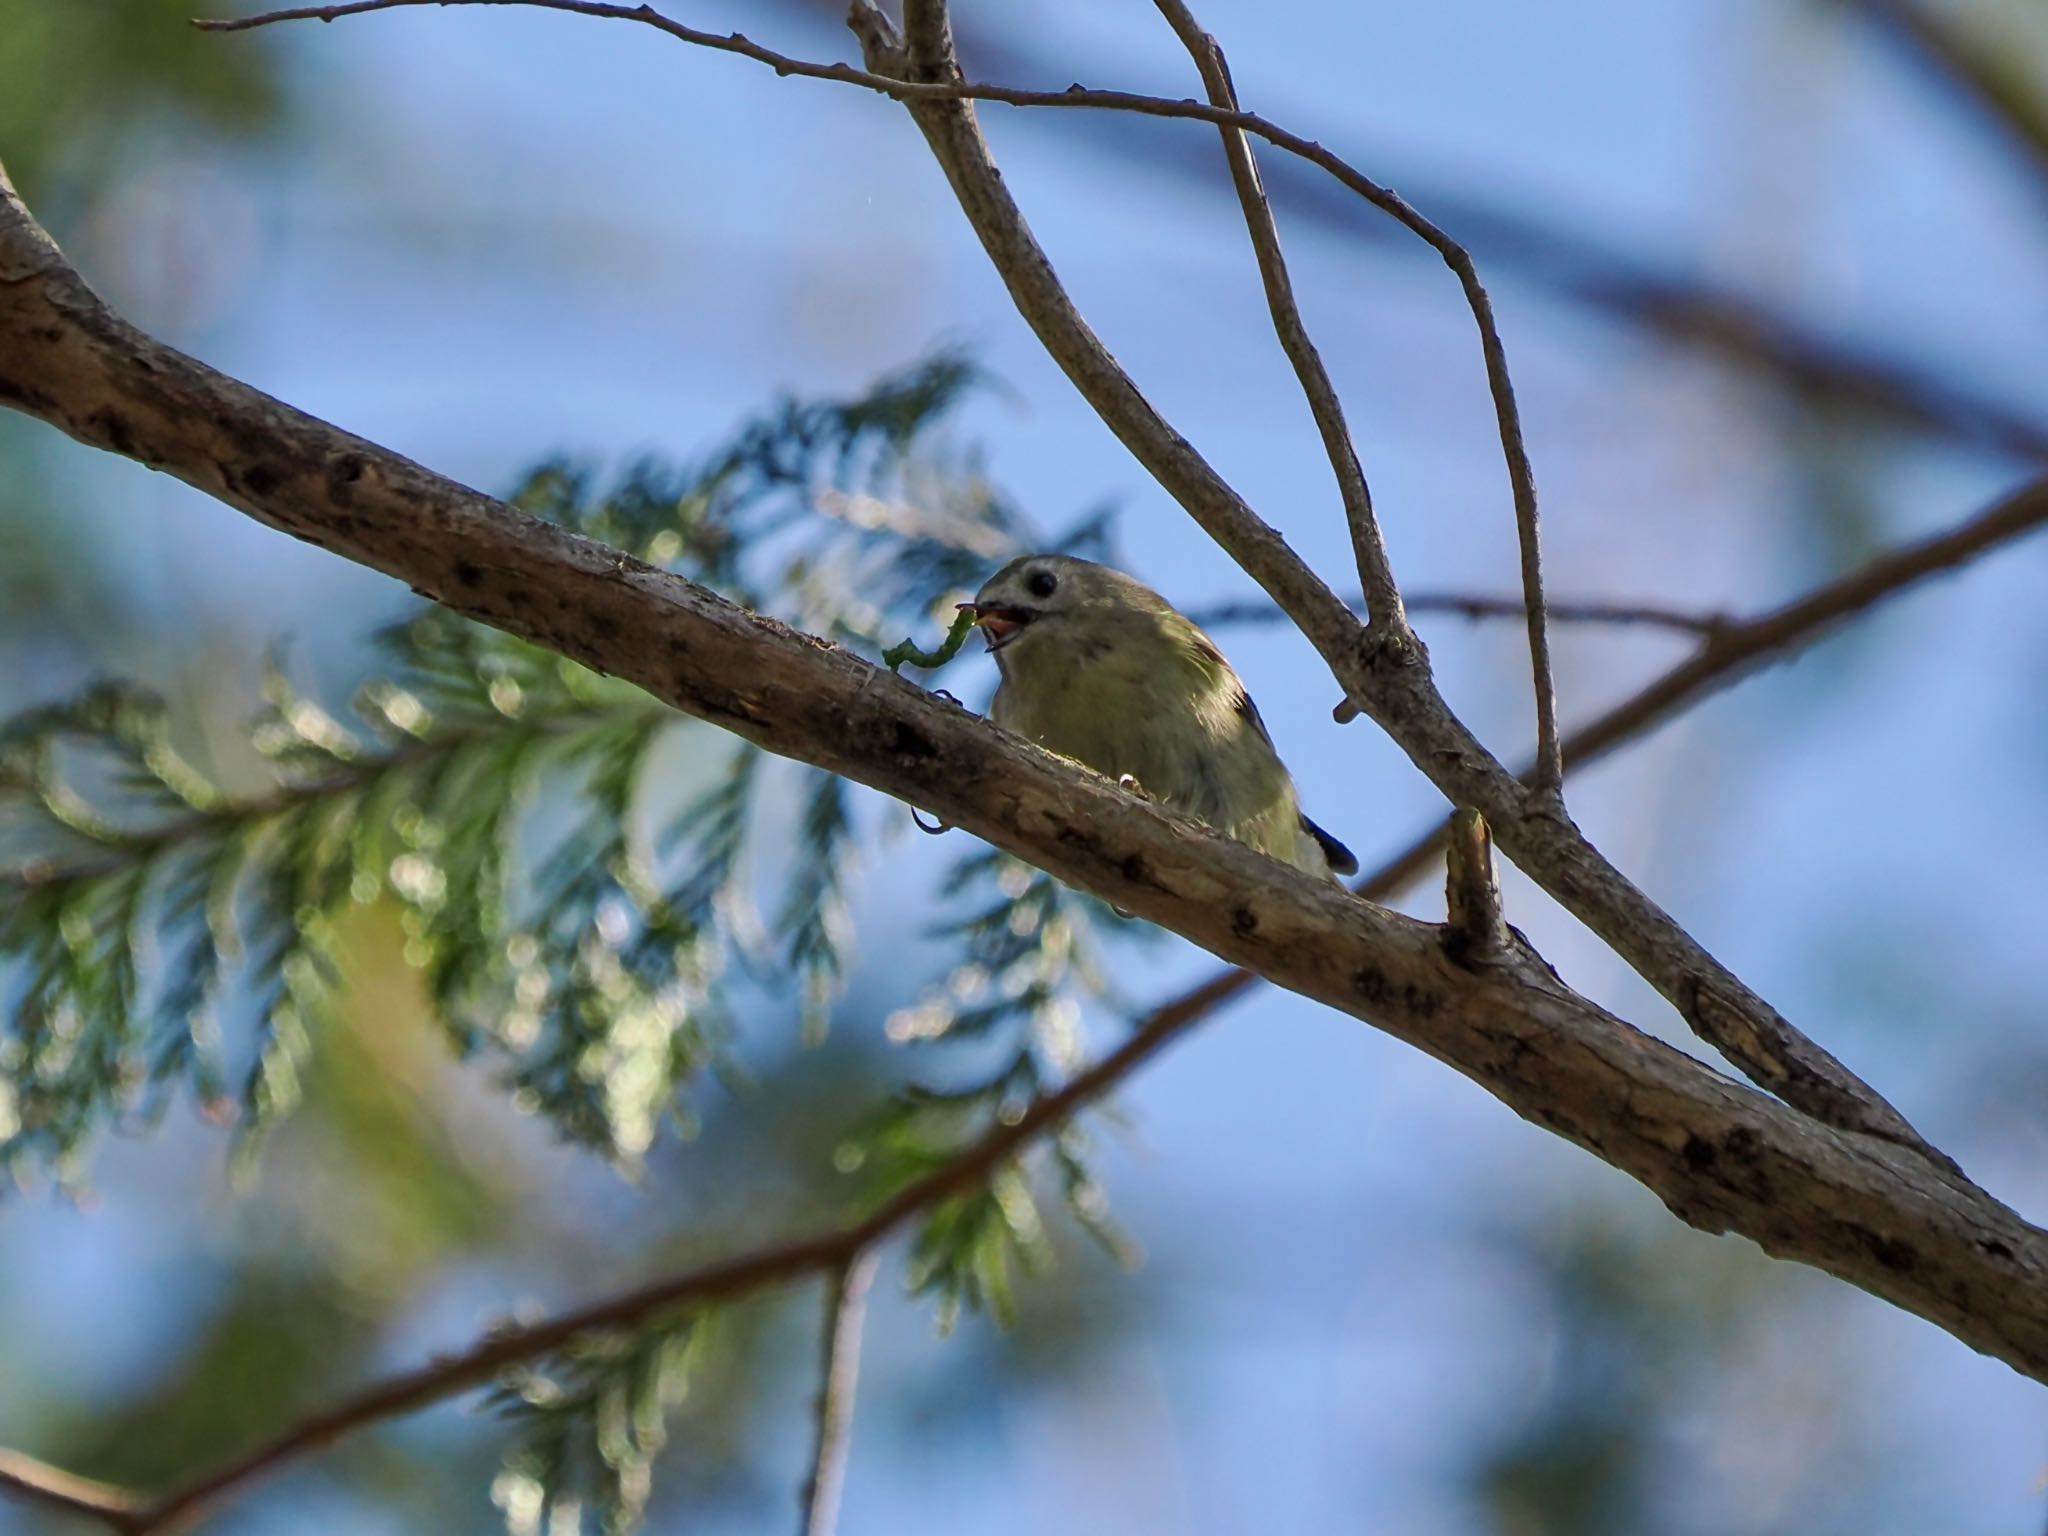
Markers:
point(846, 1295)
point(37, 1482)
point(1475, 605)
point(1369, 546)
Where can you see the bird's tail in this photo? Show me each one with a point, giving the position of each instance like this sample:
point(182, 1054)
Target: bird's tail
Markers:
point(1341, 859)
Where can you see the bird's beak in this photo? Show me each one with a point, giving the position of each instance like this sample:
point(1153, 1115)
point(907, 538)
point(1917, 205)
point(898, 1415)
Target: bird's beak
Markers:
point(998, 622)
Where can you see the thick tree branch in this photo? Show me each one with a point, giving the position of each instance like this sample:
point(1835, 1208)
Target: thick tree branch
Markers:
point(1721, 1156)
point(1738, 649)
point(1369, 545)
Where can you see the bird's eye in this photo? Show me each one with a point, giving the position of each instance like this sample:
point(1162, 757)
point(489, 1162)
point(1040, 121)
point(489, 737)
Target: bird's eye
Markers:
point(1041, 583)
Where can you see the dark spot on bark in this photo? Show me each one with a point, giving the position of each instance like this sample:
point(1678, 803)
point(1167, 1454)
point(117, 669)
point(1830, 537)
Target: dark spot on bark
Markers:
point(1893, 1254)
point(113, 426)
point(1740, 1144)
point(1995, 1249)
point(1699, 1154)
point(1376, 990)
point(342, 476)
point(604, 626)
point(1132, 867)
point(1244, 922)
point(908, 741)
point(261, 479)
point(34, 401)
point(467, 574)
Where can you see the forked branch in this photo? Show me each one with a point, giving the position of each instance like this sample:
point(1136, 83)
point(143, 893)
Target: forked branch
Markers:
point(1388, 681)
point(1369, 546)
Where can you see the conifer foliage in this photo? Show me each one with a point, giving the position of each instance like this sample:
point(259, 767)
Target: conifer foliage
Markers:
point(597, 893)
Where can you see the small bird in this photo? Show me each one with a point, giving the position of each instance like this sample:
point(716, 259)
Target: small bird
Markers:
point(1100, 668)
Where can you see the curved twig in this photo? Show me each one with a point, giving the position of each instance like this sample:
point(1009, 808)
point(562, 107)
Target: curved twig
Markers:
point(846, 1296)
point(37, 1482)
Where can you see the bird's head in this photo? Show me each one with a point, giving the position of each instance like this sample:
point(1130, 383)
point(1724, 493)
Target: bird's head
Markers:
point(1043, 599)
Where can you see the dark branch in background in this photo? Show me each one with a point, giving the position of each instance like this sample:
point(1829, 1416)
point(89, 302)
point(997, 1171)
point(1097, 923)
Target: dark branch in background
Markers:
point(826, 1253)
point(1988, 76)
point(846, 1297)
point(1732, 650)
point(1369, 545)
point(1681, 310)
point(1474, 605)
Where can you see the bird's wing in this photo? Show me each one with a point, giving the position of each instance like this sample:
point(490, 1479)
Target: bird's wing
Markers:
point(1250, 711)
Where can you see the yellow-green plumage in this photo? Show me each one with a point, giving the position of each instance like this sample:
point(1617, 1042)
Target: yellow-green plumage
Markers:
point(1098, 667)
